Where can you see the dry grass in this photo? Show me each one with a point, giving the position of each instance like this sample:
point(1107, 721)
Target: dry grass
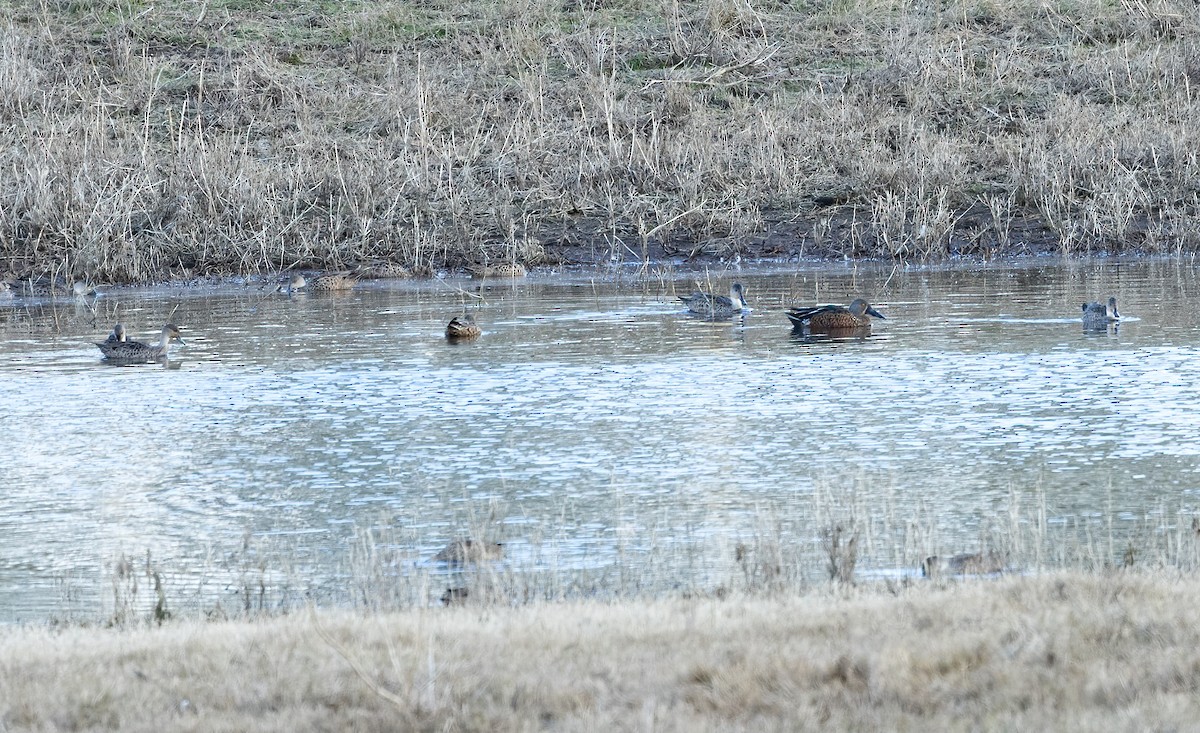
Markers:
point(211, 137)
point(1105, 652)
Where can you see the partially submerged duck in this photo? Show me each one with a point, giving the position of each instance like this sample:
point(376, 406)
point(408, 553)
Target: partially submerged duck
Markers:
point(717, 306)
point(1096, 312)
point(834, 317)
point(134, 351)
point(464, 551)
point(463, 327)
point(977, 563)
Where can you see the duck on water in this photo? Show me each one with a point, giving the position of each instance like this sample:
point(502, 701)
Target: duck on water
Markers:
point(717, 306)
point(116, 349)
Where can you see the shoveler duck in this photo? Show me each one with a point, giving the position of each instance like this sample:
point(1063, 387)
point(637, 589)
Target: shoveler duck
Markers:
point(717, 306)
point(1096, 312)
point(504, 269)
point(976, 563)
point(834, 317)
point(463, 327)
point(134, 351)
point(464, 551)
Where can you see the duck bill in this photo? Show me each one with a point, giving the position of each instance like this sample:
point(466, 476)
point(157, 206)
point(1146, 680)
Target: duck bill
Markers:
point(877, 314)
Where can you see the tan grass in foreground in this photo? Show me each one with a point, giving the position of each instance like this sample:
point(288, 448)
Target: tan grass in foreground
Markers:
point(213, 137)
point(1060, 652)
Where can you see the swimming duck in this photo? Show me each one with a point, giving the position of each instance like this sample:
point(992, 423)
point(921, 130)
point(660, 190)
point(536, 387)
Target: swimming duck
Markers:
point(381, 271)
point(81, 289)
point(455, 596)
point(717, 306)
point(977, 563)
point(1096, 312)
point(330, 282)
point(463, 327)
point(117, 335)
point(464, 551)
point(834, 317)
point(133, 351)
point(504, 269)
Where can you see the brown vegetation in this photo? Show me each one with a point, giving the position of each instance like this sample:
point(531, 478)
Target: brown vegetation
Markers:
point(1062, 652)
point(214, 137)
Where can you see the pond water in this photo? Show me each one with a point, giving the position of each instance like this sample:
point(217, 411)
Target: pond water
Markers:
point(595, 429)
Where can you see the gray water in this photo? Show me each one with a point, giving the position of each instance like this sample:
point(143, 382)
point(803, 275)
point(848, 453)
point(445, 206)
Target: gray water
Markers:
point(592, 424)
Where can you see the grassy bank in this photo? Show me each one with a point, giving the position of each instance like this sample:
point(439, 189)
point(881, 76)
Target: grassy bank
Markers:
point(187, 137)
point(1058, 652)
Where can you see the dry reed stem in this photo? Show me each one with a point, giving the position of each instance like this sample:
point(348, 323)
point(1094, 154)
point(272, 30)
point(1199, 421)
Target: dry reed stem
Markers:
point(183, 139)
point(1064, 651)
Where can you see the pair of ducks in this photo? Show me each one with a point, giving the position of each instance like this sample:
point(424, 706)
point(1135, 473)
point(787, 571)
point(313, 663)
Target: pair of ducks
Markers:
point(822, 318)
point(117, 348)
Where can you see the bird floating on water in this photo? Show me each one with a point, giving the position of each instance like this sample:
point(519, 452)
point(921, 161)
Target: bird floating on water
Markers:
point(463, 327)
point(136, 351)
point(826, 318)
point(330, 282)
point(503, 269)
point(717, 306)
point(1101, 313)
point(464, 551)
point(117, 335)
point(977, 563)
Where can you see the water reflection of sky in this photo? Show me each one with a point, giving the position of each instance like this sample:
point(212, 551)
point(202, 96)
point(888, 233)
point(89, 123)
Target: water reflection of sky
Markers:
point(591, 416)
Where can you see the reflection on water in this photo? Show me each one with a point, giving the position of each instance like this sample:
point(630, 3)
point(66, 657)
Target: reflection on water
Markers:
point(590, 422)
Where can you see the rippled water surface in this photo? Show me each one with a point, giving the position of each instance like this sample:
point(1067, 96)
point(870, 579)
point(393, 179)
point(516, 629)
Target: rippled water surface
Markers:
point(592, 423)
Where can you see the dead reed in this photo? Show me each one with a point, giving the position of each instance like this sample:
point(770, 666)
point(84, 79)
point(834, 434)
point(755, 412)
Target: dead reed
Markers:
point(146, 141)
point(1076, 651)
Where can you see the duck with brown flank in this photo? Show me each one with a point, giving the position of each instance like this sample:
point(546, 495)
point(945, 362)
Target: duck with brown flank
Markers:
point(825, 318)
point(462, 551)
point(463, 327)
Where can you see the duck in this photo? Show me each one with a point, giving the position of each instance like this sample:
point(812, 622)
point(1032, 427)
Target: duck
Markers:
point(330, 282)
point(463, 327)
point(117, 335)
point(504, 269)
point(717, 306)
point(1096, 312)
point(381, 271)
point(977, 563)
point(462, 551)
point(834, 317)
point(81, 289)
point(137, 351)
point(455, 596)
